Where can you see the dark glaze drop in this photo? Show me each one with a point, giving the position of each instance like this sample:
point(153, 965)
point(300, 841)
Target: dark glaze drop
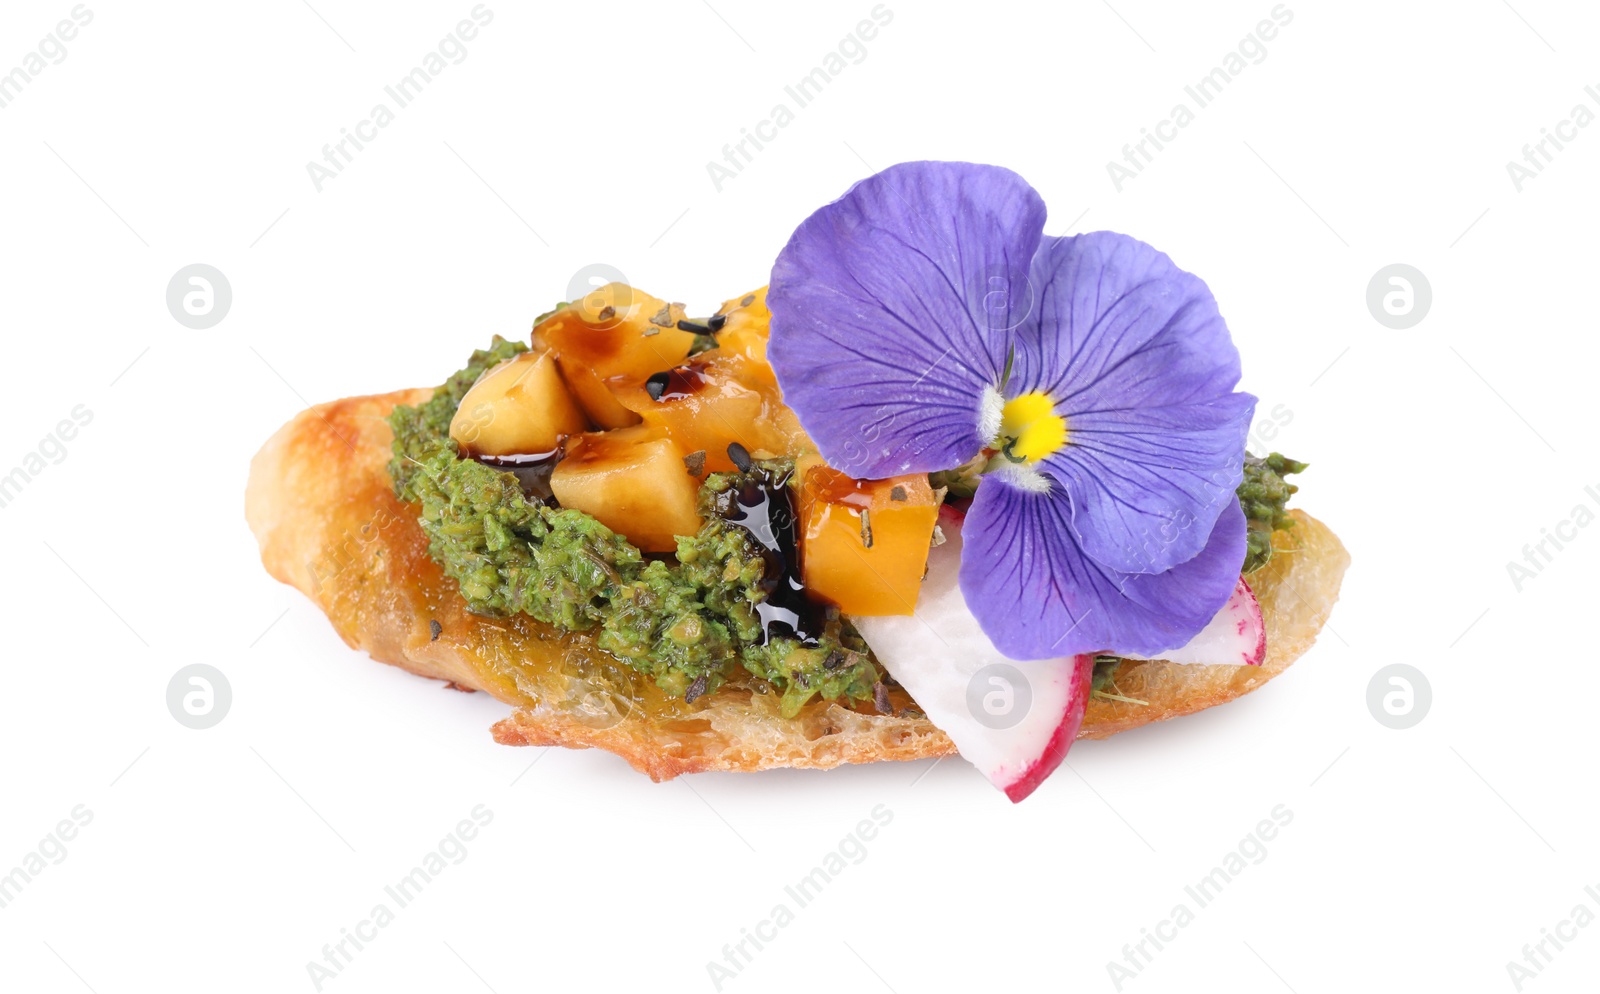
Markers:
point(676, 383)
point(532, 471)
point(764, 507)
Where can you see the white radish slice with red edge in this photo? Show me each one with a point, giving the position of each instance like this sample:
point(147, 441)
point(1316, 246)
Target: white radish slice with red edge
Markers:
point(1237, 636)
point(1013, 720)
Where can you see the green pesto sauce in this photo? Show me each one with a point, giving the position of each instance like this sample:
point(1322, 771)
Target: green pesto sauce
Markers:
point(1264, 495)
point(690, 624)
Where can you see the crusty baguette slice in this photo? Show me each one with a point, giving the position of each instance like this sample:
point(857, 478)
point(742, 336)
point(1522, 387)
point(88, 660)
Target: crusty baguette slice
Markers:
point(320, 503)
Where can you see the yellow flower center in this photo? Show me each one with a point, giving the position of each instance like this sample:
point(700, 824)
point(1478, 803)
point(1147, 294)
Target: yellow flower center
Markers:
point(1030, 428)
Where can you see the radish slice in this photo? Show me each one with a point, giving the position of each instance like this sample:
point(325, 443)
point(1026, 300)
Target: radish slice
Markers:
point(1013, 720)
point(1237, 636)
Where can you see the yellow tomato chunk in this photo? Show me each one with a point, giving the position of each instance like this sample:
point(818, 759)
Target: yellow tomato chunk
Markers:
point(615, 334)
point(864, 543)
point(634, 481)
point(519, 407)
point(704, 406)
point(743, 338)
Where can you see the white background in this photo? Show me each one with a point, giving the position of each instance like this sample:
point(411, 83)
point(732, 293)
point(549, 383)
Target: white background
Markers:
point(225, 859)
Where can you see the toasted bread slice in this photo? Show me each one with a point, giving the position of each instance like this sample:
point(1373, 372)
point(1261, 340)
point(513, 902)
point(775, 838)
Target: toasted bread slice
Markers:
point(320, 503)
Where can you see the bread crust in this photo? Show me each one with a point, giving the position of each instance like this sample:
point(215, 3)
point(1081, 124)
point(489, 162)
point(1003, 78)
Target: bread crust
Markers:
point(320, 503)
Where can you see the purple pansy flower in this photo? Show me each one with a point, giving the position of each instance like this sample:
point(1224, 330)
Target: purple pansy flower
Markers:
point(923, 319)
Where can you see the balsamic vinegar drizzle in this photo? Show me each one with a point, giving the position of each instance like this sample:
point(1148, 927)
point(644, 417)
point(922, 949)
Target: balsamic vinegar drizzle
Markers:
point(532, 471)
point(764, 507)
point(676, 383)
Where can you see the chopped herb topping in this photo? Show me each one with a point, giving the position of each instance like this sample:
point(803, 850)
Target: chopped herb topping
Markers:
point(880, 698)
point(1104, 685)
point(695, 689)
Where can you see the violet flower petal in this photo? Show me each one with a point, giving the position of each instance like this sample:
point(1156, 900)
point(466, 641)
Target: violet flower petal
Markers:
point(893, 309)
point(1138, 360)
point(1037, 594)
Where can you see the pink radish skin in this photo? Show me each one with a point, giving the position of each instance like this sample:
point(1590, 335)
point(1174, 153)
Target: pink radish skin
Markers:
point(1237, 636)
point(938, 654)
point(1055, 751)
